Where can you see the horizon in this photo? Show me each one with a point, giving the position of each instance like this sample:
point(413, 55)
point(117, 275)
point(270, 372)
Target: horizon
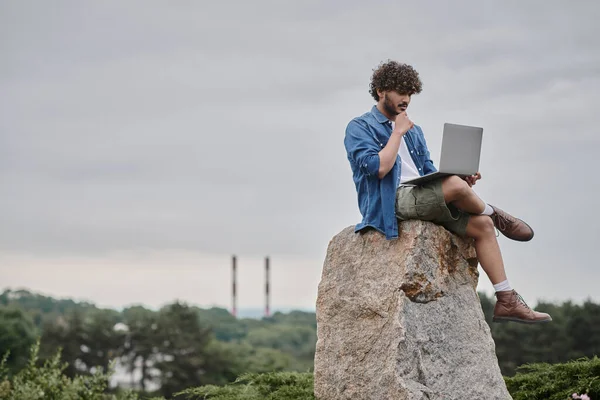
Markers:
point(242, 312)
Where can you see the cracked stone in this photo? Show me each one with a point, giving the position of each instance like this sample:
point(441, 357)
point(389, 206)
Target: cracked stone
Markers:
point(401, 319)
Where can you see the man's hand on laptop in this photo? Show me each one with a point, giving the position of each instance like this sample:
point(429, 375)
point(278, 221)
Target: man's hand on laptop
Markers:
point(471, 180)
point(402, 123)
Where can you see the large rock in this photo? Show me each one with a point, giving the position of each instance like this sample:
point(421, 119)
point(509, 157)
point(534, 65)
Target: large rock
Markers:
point(402, 320)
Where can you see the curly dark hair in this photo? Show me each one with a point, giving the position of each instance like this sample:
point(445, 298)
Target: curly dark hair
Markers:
point(392, 75)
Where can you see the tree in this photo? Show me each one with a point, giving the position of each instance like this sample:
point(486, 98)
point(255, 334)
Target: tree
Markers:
point(583, 326)
point(296, 340)
point(185, 359)
point(487, 305)
point(41, 308)
point(87, 340)
point(141, 342)
point(65, 333)
point(225, 326)
point(17, 335)
point(298, 318)
point(101, 342)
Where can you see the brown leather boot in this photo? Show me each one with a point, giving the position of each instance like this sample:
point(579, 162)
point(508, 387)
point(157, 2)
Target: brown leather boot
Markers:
point(510, 306)
point(511, 227)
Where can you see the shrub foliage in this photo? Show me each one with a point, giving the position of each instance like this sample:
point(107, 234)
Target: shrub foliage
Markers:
point(556, 381)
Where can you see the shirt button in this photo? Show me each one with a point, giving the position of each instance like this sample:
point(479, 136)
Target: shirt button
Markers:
point(411, 151)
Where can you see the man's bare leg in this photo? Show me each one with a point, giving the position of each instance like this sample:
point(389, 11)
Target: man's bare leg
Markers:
point(481, 228)
point(510, 306)
point(459, 193)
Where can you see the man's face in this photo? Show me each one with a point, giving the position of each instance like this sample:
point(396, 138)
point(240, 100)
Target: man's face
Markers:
point(394, 103)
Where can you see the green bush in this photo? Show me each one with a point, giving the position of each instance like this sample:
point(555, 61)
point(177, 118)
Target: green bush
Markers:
point(269, 386)
point(47, 382)
point(556, 381)
point(532, 382)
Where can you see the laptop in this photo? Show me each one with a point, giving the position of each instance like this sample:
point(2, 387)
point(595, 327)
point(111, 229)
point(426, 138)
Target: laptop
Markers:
point(461, 149)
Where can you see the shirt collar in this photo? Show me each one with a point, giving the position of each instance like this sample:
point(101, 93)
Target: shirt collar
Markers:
point(379, 116)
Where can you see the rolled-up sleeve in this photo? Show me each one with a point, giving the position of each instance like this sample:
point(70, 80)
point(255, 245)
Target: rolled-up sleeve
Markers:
point(362, 149)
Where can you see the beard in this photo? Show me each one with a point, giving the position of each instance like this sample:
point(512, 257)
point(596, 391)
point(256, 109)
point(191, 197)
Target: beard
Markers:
point(389, 107)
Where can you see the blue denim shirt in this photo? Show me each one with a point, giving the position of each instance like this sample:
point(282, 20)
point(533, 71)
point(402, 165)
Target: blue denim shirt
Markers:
point(365, 137)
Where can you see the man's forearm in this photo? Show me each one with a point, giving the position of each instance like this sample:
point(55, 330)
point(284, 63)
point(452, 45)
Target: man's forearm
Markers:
point(387, 155)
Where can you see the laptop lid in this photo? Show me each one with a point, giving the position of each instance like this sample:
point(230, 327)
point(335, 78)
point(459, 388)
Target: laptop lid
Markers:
point(461, 149)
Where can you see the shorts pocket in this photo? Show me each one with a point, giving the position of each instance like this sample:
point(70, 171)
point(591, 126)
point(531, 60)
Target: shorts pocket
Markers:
point(406, 204)
point(427, 203)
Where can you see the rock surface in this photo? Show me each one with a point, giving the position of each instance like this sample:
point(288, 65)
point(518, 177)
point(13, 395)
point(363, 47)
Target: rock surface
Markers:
point(402, 320)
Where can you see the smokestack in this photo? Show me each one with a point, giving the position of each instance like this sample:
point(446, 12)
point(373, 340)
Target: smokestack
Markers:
point(267, 277)
point(233, 287)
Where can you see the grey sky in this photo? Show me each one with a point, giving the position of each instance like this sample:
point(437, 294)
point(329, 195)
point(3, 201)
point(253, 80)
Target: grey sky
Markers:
point(154, 139)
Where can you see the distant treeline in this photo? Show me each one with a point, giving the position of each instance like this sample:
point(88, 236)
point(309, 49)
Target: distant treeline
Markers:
point(176, 347)
point(181, 346)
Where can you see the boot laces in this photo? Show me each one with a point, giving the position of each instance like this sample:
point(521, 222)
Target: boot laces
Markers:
point(522, 300)
point(502, 220)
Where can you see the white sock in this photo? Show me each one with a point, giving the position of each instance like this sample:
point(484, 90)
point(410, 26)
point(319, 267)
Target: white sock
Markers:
point(488, 210)
point(502, 286)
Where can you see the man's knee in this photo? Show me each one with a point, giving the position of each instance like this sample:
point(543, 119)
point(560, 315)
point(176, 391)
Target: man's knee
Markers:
point(480, 226)
point(454, 188)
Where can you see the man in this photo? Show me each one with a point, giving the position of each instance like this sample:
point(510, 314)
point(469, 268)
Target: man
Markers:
point(385, 148)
